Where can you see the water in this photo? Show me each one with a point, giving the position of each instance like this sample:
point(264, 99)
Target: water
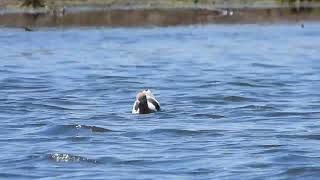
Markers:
point(238, 102)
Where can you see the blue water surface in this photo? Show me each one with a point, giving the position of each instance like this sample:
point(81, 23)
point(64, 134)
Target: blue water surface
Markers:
point(238, 102)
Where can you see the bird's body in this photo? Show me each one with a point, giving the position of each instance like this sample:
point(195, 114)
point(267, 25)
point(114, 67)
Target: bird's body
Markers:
point(145, 103)
point(28, 29)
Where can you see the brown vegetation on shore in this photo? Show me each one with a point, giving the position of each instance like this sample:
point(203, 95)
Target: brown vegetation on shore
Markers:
point(151, 3)
point(32, 3)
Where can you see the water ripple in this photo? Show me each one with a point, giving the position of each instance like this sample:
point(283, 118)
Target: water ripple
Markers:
point(210, 116)
point(63, 157)
point(238, 102)
point(72, 129)
point(262, 65)
point(184, 132)
point(239, 99)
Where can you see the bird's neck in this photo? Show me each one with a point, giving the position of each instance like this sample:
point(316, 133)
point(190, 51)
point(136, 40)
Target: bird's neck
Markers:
point(143, 108)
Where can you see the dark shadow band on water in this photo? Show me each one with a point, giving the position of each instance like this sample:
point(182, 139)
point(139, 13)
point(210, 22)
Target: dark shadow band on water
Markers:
point(156, 17)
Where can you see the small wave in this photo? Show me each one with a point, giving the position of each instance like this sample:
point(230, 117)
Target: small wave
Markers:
point(94, 128)
point(257, 108)
point(46, 106)
point(18, 176)
point(295, 158)
point(134, 162)
point(24, 84)
point(26, 88)
point(24, 80)
point(271, 145)
point(296, 171)
point(6, 71)
point(78, 138)
point(13, 109)
point(13, 67)
point(66, 102)
point(183, 132)
point(271, 151)
point(120, 78)
point(285, 114)
point(73, 129)
point(265, 65)
point(207, 100)
point(245, 84)
point(65, 62)
point(63, 157)
point(305, 137)
point(259, 165)
point(237, 99)
point(208, 84)
point(210, 116)
point(200, 171)
point(203, 86)
point(279, 84)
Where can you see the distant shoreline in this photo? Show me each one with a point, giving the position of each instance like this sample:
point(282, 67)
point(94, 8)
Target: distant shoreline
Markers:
point(165, 4)
point(130, 15)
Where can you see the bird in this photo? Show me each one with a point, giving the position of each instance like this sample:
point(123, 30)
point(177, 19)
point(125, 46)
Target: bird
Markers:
point(145, 103)
point(26, 28)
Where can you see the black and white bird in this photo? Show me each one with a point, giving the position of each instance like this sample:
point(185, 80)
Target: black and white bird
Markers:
point(145, 103)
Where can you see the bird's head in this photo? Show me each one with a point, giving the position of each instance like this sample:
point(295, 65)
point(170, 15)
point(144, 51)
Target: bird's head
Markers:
point(142, 98)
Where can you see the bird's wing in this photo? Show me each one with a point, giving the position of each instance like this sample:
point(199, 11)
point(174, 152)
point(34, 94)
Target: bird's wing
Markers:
point(151, 96)
point(153, 104)
point(135, 108)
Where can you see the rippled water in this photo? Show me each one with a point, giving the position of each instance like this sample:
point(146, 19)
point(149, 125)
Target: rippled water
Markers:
point(238, 102)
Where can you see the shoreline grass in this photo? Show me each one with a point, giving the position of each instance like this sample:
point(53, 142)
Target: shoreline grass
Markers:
point(158, 3)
